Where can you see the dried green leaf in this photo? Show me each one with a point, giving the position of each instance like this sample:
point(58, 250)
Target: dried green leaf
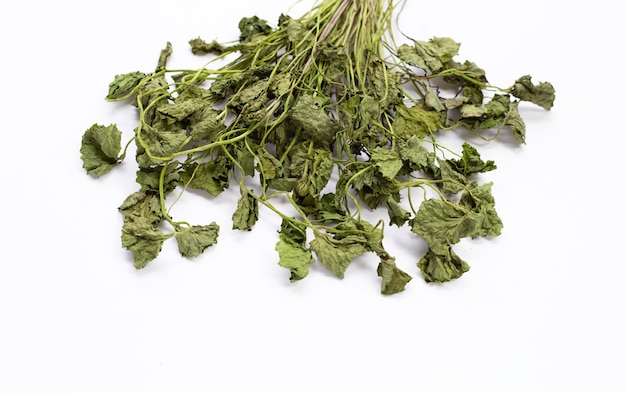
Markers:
point(416, 121)
point(100, 148)
point(541, 94)
point(141, 237)
point(124, 84)
point(398, 216)
point(182, 108)
point(252, 29)
point(321, 171)
point(470, 162)
point(479, 200)
point(149, 178)
point(312, 118)
point(164, 55)
point(394, 280)
point(441, 223)
point(431, 55)
point(197, 238)
point(294, 257)
point(201, 47)
point(291, 250)
point(387, 162)
point(413, 154)
point(268, 165)
point(453, 180)
point(212, 176)
point(206, 125)
point(336, 255)
point(161, 143)
point(516, 123)
point(145, 204)
point(247, 212)
point(442, 267)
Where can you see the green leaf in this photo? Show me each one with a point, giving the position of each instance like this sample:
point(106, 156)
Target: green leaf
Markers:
point(453, 181)
point(413, 154)
point(145, 204)
point(295, 258)
point(541, 94)
point(252, 29)
point(194, 240)
point(394, 280)
point(124, 84)
point(516, 123)
point(142, 214)
point(206, 125)
point(398, 216)
point(212, 176)
point(388, 162)
point(100, 148)
point(201, 47)
point(164, 55)
point(432, 100)
point(181, 108)
point(247, 212)
point(315, 123)
point(471, 162)
point(336, 255)
point(268, 165)
point(480, 201)
point(441, 223)
point(416, 121)
point(160, 144)
point(143, 239)
point(430, 56)
point(291, 251)
point(149, 178)
point(442, 267)
point(321, 170)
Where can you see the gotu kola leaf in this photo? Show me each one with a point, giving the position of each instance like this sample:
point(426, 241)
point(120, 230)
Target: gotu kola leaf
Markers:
point(100, 148)
point(292, 251)
point(195, 239)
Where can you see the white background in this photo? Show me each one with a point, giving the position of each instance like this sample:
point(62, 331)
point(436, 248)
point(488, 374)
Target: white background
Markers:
point(541, 310)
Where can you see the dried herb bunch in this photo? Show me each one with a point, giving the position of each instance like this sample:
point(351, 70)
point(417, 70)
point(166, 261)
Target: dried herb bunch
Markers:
point(326, 95)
